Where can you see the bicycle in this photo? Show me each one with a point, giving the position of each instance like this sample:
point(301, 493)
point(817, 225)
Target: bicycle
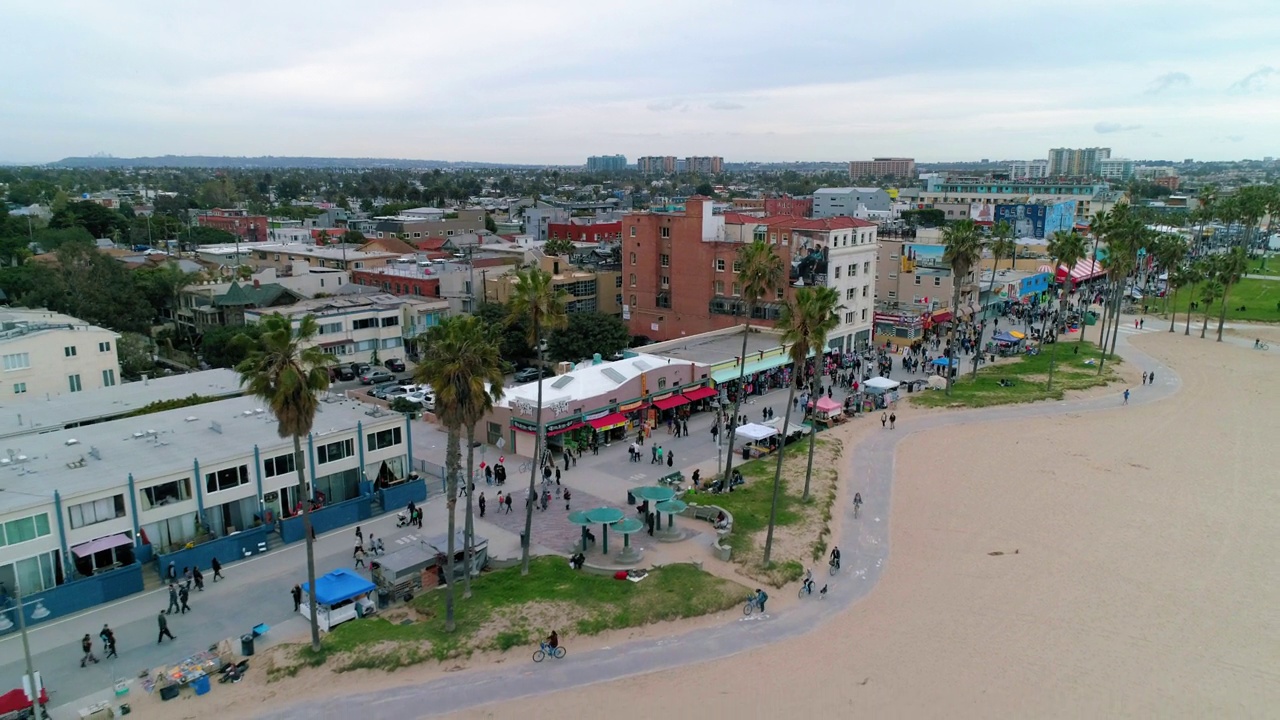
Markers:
point(857, 507)
point(1262, 346)
point(524, 468)
point(806, 589)
point(834, 566)
point(752, 605)
point(544, 650)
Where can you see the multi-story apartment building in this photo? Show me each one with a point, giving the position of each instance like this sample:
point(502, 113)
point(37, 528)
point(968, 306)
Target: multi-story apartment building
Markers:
point(353, 328)
point(1090, 196)
point(1076, 162)
point(913, 290)
point(580, 229)
point(249, 228)
point(896, 168)
point(657, 164)
point(784, 205)
point(47, 353)
point(680, 269)
point(285, 259)
point(433, 224)
point(586, 290)
point(856, 202)
point(1029, 170)
point(704, 165)
point(1117, 169)
point(606, 163)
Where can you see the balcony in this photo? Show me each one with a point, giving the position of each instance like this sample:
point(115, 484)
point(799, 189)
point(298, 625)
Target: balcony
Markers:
point(767, 311)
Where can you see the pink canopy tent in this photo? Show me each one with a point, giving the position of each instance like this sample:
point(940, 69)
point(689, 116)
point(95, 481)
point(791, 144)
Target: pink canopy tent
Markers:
point(826, 405)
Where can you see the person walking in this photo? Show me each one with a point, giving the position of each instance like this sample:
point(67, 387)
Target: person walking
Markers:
point(1126, 396)
point(671, 458)
point(108, 642)
point(360, 558)
point(217, 569)
point(653, 455)
point(296, 592)
point(164, 629)
point(198, 577)
point(566, 498)
point(884, 419)
point(173, 599)
point(893, 418)
point(183, 596)
point(508, 504)
point(481, 503)
point(187, 578)
point(1144, 378)
point(171, 574)
point(359, 537)
point(359, 547)
point(1151, 378)
point(86, 644)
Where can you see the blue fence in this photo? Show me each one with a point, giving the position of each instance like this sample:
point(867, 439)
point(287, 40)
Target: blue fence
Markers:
point(398, 496)
point(328, 518)
point(77, 595)
point(227, 549)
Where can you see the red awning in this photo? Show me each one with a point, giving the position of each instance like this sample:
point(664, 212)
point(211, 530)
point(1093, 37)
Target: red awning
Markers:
point(674, 401)
point(565, 429)
point(608, 422)
point(943, 316)
point(701, 393)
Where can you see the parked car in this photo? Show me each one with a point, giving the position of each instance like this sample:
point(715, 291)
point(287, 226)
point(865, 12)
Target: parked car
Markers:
point(426, 398)
point(381, 391)
point(376, 377)
point(530, 374)
point(359, 369)
point(341, 373)
point(394, 365)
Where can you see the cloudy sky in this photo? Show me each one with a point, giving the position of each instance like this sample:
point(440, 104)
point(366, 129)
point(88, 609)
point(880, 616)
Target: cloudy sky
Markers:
point(552, 81)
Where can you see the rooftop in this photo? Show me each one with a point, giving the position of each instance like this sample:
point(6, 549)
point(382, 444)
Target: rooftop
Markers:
point(587, 382)
point(321, 306)
point(715, 347)
point(844, 190)
point(326, 252)
point(37, 416)
point(17, 322)
point(102, 456)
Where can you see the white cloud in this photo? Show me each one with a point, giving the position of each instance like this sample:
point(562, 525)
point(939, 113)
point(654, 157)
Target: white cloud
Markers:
point(1254, 81)
point(1168, 81)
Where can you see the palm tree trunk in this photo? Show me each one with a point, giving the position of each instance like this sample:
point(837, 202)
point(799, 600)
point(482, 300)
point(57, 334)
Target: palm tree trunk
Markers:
point(813, 440)
point(1105, 314)
point(1222, 314)
point(468, 527)
point(1112, 304)
point(452, 463)
point(1053, 354)
point(1187, 332)
point(1115, 325)
point(1205, 325)
point(311, 549)
point(955, 319)
point(737, 404)
point(1173, 317)
point(538, 442)
point(777, 473)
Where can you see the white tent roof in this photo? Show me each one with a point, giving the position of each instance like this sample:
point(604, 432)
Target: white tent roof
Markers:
point(792, 428)
point(755, 431)
point(882, 383)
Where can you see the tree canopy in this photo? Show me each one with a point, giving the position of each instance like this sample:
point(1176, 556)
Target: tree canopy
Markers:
point(587, 334)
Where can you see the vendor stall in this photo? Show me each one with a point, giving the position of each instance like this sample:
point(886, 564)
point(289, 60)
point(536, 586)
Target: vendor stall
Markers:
point(880, 385)
point(479, 551)
point(759, 440)
point(340, 596)
point(828, 412)
point(398, 575)
point(191, 672)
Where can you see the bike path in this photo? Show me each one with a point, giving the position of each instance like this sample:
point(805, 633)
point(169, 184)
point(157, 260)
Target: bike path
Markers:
point(865, 548)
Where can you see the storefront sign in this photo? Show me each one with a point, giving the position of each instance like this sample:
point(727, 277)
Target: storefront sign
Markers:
point(664, 396)
point(631, 406)
point(597, 415)
point(562, 424)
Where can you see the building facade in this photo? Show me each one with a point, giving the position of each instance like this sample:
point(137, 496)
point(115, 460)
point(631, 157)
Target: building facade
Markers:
point(1115, 169)
point(859, 202)
point(914, 289)
point(249, 228)
point(353, 328)
point(46, 354)
point(585, 230)
point(585, 289)
point(606, 163)
point(767, 206)
point(896, 168)
point(1029, 170)
point(704, 164)
point(657, 164)
point(415, 227)
point(1077, 162)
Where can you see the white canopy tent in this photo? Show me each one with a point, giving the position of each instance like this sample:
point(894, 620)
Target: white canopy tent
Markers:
point(755, 432)
point(881, 384)
point(792, 428)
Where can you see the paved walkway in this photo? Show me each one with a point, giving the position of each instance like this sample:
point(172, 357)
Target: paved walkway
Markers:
point(865, 542)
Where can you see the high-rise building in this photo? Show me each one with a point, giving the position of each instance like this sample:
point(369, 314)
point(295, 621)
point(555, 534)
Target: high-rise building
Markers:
point(657, 164)
point(1029, 170)
point(680, 273)
point(606, 163)
point(1077, 162)
point(897, 168)
point(1115, 169)
point(705, 165)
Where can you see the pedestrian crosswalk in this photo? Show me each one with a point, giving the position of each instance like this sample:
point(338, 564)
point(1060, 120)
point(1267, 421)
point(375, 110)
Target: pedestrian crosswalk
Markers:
point(1129, 329)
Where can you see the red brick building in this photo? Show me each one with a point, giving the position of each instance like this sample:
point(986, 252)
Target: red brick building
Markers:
point(785, 205)
point(585, 231)
point(1167, 181)
point(398, 281)
point(249, 228)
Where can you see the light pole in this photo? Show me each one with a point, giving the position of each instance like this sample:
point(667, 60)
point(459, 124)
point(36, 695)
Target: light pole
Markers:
point(32, 682)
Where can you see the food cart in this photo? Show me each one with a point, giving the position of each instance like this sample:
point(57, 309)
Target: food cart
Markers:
point(340, 596)
point(828, 412)
point(398, 575)
point(479, 552)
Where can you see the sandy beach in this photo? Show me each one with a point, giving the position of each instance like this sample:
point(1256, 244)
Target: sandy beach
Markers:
point(1138, 577)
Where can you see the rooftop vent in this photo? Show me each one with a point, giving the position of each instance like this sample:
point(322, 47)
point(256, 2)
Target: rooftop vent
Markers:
point(191, 418)
point(71, 441)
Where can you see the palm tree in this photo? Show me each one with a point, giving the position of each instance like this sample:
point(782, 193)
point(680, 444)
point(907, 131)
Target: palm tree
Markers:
point(1231, 267)
point(1198, 272)
point(963, 250)
point(286, 370)
point(460, 346)
point(1209, 292)
point(1170, 251)
point(482, 387)
point(1097, 227)
point(805, 323)
point(760, 275)
point(1179, 277)
point(538, 301)
point(1066, 248)
point(1001, 245)
point(1271, 201)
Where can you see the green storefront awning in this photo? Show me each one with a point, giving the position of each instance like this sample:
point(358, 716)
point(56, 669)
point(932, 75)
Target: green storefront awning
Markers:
point(752, 367)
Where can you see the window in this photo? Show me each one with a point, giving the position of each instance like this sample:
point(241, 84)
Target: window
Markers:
point(777, 294)
point(664, 260)
point(74, 382)
point(937, 281)
point(848, 318)
point(391, 321)
point(866, 267)
point(864, 290)
point(719, 287)
point(633, 279)
point(226, 479)
point(662, 383)
point(279, 465)
point(24, 529)
point(104, 347)
point(330, 328)
point(633, 301)
point(633, 258)
point(383, 439)
point(852, 270)
point(618, 298)
point(665, 281)
point(108, 378)
point(19, 388)
point(166, 493)
point(17, 361)
point(364, 323)
point(864, 314)
point(773, 238)
point(719, 265)
point(69, 351)
point(664, 231)
point(837, 272)
point(892, 294)
point(633, 232)
point(335, 451)
point(95, 511)
point(617, 281)
point(737, 289)
point(737, 266)
point(851, 293)
point(917, 279)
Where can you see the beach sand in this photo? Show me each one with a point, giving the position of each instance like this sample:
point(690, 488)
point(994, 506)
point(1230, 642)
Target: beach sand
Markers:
point(1144, 582)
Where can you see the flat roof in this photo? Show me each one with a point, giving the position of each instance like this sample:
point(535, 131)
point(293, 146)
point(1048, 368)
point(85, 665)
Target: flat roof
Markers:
point(584, 383)
point(53, 413)
point(707, 349)
point(102, 456)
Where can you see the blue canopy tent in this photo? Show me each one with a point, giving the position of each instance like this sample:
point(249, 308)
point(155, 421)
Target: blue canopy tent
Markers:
point(340, 596)
point(943, 362)
point(1005, 337)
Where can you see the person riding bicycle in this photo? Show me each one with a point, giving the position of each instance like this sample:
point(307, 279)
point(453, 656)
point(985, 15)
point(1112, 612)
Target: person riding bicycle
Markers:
point(808, 580)
point(835, 557)
point(857, 500)
point(553, 641)
point(760, 598)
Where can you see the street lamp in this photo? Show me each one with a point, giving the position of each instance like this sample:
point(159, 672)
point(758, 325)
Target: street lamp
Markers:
point(31, 683)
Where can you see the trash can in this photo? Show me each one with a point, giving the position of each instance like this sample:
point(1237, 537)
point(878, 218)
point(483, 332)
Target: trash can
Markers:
point(201, 684)
point(524, 541)
point(246, 645)
point(384, 599)
point(631, 498)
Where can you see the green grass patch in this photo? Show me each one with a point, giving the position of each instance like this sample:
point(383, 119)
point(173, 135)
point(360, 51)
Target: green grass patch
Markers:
point(1029, 376)
point(1259, 298)
point(1265, 266)
point(508, 611)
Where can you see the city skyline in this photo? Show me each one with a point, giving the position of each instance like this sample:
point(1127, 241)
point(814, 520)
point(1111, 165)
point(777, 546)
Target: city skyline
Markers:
point(552, 83)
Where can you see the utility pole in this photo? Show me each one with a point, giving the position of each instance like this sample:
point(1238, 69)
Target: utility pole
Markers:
point(26, 651)
point(484, 284)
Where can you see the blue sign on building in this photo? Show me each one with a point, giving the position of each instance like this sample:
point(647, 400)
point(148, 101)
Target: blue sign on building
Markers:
point(1027, 220)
